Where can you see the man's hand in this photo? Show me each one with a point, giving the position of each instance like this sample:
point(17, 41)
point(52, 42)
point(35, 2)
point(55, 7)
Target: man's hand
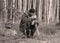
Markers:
point(34, 22)
point(32, 17)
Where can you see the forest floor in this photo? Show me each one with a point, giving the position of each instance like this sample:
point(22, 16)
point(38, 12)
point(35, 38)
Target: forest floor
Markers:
point(48, 34)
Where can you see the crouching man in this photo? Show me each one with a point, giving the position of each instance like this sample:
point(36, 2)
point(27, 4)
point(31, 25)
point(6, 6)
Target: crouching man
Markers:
point(28, 22)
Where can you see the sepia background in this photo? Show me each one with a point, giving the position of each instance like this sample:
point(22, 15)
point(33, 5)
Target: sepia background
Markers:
point(48, 15)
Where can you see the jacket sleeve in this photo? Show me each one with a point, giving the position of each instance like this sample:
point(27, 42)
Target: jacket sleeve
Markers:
point(25, 18)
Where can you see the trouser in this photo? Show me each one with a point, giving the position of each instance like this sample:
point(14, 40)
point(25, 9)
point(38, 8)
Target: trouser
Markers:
point(30, 31)
point(23, 29)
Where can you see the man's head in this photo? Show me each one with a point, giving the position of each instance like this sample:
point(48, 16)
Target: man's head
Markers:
point(31, 11)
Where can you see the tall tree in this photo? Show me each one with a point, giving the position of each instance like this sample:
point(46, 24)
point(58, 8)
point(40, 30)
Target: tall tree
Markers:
point(40, 11)
point(5, 6)
point(54, 10)
point(34, 4)
point(20, 5)
point(58, 11)
point(48, 4)
point(24, 5)
point(50, 12)
point(29, 2)
point(45, 11)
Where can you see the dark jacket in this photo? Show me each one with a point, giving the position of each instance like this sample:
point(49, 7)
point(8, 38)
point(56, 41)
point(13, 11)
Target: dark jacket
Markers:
point(25, 22)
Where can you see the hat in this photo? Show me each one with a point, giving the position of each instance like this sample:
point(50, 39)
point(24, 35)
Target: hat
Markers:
point(32, 10)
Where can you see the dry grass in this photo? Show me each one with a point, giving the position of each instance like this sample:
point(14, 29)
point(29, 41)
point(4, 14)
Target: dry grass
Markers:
point(48, 34)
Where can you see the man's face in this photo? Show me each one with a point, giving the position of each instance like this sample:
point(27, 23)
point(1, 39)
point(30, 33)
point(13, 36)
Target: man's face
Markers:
point(32, 14)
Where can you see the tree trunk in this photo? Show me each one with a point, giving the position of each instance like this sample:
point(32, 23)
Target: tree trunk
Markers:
point(54, 10)
point(50, 12)
point(13, 3)
point(14, 11)
point(48, 4)
point(58, 11)
point(29, 2)
point(24, 5)
point(34, 4)
point(20, 5)
point(5, 5)
point(45, 11)
point(40, 11)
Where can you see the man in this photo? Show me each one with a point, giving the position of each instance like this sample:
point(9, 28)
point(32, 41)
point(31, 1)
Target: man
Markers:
point(27, 24)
